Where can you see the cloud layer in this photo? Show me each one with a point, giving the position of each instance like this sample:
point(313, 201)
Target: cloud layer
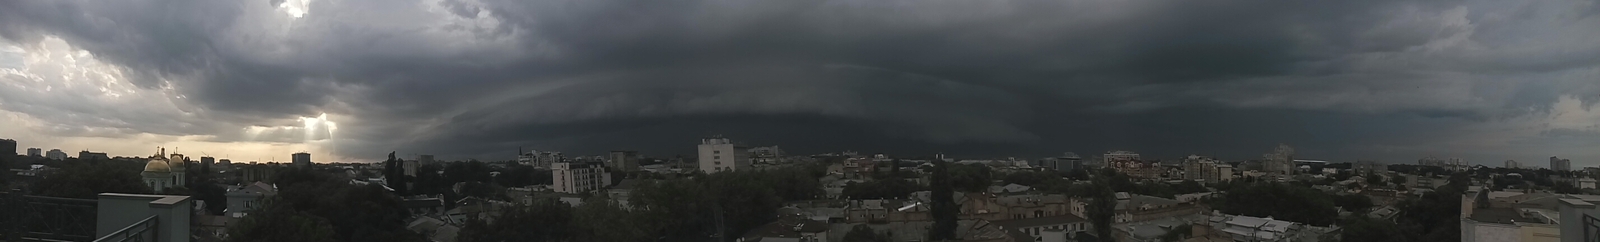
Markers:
point(1394, 80)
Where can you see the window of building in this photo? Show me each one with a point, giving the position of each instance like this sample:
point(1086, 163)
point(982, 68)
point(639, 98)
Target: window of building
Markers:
point(716, 152)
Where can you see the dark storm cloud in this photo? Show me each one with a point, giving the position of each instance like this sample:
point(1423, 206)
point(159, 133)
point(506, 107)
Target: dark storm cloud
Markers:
point(476, 78)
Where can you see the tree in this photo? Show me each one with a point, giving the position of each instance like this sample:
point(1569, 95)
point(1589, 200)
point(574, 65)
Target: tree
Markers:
point(541, 221)
point(1031, 179)
point(356, 213)
point(601, 220)
point(1189, 186)
point(1280, 201)
point(863, 233)
point(1353, 202)
point(1375, 180)
point(1079, 174)
point(276, 222)
point(1177, 233)
point(1360, 228)
point(1102, 210)
point(970, 177)
point(880, 189)
point(943, 205)
point(87, 181)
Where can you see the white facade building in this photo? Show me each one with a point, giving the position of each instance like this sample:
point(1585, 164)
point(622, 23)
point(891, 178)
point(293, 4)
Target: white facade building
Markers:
point(719, 154)
point(578, 177)
point(1119, 155)
point(35, 152)
point(1513, 164)
point(539, 159)
point(55, 154)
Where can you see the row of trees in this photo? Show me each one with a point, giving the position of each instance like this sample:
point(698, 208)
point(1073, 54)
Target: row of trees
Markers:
point(1434, 217)
point(316, 206)
point(696, 208)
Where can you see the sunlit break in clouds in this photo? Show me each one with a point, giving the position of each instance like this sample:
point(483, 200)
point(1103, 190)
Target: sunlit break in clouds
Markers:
point(294, 8)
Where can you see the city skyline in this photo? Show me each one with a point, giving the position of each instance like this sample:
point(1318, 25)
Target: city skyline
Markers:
point(1391, 81)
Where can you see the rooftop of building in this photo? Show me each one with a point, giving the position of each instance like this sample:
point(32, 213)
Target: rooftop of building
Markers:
point(786, 227)
point(1500, 216)
point(1041, 221)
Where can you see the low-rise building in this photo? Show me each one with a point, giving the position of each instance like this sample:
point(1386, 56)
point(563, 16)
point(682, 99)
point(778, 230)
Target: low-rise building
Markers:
point(789, 229)
point(1038, 228)
point(246, 198)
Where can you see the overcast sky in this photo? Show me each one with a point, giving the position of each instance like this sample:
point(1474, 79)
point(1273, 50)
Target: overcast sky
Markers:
point(351, 80)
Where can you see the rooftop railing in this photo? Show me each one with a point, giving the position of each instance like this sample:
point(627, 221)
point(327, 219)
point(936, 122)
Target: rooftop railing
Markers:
point(142, 231)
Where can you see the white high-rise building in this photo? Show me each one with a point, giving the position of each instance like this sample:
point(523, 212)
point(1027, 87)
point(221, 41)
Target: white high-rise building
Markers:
point(719, 154)
point(578, 177)
point(1513, 164)
point(35, 152)
point(55, 154)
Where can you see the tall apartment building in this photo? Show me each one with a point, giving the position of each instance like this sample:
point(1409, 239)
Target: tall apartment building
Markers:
point(1280, 161)
point(720, 154)
point(55, 154)
point(1197, 167)
point(766, 155)
point(1206, 169)
point(624, 160)
point(578, 177)
point(1363, 167)
point(539, 159)
point(1559, 164)
point(35, 152)
point(8, 147)
point(302, 159)
point(1513, 164)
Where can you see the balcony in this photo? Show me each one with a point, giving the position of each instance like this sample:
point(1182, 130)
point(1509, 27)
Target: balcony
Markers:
point(111, 217)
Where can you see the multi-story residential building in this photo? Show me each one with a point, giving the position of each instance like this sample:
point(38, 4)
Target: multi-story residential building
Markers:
point(720, 154)
point(1246, 228)
point(578, 177)
point(539, 159)
point(1135, 208)
point(8, 147)
point(1513, 164)
point(1558, 164)
point(35, 152)
point(302, 159)
point(1052, 226)
point(1453, 164)
point(86, 155)
point(1280, 162)
point(1196, 167)
point(55, 154)
point(1363, 167)
point(766, 155)
point(1523, 217)
point(246, 198)
point(1067, 162)
point(622, 160)
point(1118, 155)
